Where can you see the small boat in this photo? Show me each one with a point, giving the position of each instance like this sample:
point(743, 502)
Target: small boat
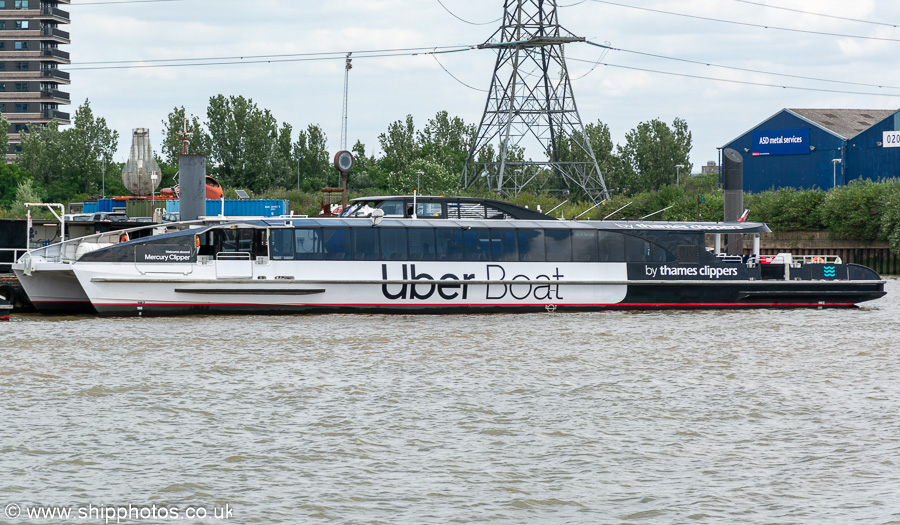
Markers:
point(446, 265)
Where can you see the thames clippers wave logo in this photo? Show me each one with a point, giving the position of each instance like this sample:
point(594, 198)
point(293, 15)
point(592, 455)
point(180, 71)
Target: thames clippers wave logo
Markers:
point(830, 271)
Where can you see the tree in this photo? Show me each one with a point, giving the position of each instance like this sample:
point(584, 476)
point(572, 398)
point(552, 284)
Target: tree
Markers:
point(4, 134)
point(446, 142)
point(173, 147)
point(651, 152)
point(244, 145)
point(86, 146)
point(11, 175)
point(399, 145)
point(311, 151)
point(69, 163)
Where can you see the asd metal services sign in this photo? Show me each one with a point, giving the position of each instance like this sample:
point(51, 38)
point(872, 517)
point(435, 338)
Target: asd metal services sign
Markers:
point(781, 142)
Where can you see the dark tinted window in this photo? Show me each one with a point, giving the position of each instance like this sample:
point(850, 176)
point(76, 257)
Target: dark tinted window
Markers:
point(584, 246)
point(503, 246)
point(421, 244)
point(477, 245)
point(282, 244)
point(336, 243)
point(612, 246)
point(365, 244)
point(559, 245)
point(449, 245)
point(531, 245)
point(393, 244)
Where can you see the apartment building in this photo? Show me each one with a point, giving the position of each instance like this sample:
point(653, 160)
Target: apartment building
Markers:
point(30, 58)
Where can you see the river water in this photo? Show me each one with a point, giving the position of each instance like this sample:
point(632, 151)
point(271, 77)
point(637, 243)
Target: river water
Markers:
point(645, 417)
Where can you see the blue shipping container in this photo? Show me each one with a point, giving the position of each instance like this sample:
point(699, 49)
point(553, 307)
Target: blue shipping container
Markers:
point(245, 208)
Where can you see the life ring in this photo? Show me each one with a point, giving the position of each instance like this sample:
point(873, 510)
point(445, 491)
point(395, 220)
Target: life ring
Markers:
point(123, 237)
point(818, 260)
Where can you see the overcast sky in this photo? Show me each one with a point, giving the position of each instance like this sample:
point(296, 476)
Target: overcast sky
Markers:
point(631, 89)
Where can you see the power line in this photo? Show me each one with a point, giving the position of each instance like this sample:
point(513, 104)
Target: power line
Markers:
point(323, 55)
point(746, 70)
point(124, 2)
point(747, 24)
point(466, 21)
point(434, 56)
point(744, 82)
point(818, 14)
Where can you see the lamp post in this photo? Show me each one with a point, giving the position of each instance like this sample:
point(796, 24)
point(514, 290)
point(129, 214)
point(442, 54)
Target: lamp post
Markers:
point(678, 173)
point(418, 180)
point(835, 162)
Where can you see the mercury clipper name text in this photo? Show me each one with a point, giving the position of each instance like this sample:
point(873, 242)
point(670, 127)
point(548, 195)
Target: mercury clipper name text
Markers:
point(501, 285)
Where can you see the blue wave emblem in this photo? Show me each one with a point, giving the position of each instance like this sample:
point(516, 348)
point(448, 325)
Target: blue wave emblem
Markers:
point(830, 271)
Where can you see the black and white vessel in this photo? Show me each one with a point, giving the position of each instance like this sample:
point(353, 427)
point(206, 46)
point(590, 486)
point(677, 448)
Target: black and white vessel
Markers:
point(446, 265)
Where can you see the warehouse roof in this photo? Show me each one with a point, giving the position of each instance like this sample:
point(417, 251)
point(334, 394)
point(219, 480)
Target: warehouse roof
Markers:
point(846, 123)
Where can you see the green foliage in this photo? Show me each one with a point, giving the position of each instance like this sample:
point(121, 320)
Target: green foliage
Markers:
point(4, 134)
point(787, 209)
point(650, 154)
point(890, 219)
point(70, 162)
point(247, 148)
point(316, 164)
point(854, 211)
point(27, 193)
point(11, 175)
point(199, 143)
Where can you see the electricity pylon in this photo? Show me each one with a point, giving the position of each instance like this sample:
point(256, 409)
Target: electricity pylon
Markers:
point(531, 104)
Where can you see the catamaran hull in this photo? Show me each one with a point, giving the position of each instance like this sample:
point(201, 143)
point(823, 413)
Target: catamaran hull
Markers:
point(54, 291)
point(438, 288)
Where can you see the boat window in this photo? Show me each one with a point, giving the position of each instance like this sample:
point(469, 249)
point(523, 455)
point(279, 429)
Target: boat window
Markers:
point(282, 244)
point(612, 246)
point(393, 244)
point(392, 208)
point(477, 245)
point(448, 244)
point(430, 210)
point(421, 244)
point(531, 245)
point(584, 246)
point(243, 240)
point(641, 250)
point(365, 244)
point(559, 245)
point(307, 243)
point(336, 243)
point(503, 246)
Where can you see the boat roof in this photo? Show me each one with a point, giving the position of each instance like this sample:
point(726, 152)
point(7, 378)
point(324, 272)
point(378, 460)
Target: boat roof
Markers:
point(621, 226)
point(513, 210)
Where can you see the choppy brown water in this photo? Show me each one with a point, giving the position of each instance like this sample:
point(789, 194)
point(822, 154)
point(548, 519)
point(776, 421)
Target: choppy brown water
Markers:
point(673, 417)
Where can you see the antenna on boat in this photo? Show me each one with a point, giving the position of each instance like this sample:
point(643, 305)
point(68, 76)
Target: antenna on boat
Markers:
point(589, 209)
point(557, 206)
point(617, 211)
point(660, 211)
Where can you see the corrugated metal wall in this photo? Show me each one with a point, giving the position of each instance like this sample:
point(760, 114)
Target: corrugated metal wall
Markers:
point(805, 171)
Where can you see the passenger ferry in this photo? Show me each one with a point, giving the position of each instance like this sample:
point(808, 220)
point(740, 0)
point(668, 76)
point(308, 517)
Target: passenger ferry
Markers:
point(420, 265)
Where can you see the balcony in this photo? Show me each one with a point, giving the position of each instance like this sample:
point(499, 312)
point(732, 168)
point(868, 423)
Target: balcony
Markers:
point(55, 74)
point(56, 34)
point(55, 94)
point(55, 13)
point(49, 114)
point(62, 56)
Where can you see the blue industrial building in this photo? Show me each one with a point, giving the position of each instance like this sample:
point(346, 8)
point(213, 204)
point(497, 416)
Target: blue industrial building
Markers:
point(820, 148)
